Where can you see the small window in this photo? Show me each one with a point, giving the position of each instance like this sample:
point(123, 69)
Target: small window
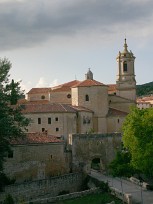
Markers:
point(49, 121)
point(125, 66)
point(39, 120)
point(57, 129)
point(87, 97)
point(10, 154)
point(118, 120)
point(43, 129)
point(51, 156)
point(84, 120)
point(43, 97)
point(68, 95)
point(56, 119)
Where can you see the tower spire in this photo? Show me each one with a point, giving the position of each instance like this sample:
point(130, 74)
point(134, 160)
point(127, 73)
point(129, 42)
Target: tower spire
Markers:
point(125, 45)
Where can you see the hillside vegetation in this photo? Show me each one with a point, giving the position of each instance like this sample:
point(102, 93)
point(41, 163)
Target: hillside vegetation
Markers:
point(144, 89)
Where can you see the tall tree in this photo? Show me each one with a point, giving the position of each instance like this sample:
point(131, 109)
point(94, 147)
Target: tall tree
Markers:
point(12, 123)
point(138, 139)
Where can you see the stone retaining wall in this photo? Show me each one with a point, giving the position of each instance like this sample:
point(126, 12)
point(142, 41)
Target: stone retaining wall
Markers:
point(52, 187)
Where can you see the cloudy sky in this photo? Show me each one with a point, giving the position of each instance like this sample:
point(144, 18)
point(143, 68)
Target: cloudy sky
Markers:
point(54, 41)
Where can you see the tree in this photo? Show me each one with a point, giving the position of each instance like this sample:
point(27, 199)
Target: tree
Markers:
point(12, 123)
point(121, 166)
point(138, 139)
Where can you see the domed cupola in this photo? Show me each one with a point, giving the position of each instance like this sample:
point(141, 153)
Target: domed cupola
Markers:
point(89, 75)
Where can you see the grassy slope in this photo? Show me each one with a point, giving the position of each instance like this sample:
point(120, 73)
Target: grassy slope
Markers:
point(93, 199)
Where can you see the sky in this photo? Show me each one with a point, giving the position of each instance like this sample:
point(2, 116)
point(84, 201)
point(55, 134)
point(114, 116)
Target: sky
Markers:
point(50, 42)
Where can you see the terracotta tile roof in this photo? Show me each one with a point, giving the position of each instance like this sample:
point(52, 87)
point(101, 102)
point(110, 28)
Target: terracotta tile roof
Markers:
point(115, 112)
point(80, 108)
point(111, 88)
point(65, 87)
point(62, 89)
point(22, 101)
point(36, 138)
point(39, 90)
point(47, 108)
point(89, 82)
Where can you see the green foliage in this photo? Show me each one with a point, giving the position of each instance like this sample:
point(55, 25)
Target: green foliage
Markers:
point(144, 89)
point(121, 166)
point(8, 200)
point(12, 123)
point(85, 183)
point(4, 180)
point(138, 139)
point(101, 198)
point(104, 186)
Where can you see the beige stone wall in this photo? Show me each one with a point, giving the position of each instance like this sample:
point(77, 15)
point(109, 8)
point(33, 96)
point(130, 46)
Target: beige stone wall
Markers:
point(37, 161)
point(127, 93)
point(37, 97)
point(60, 97)
point(114, 124)
point(120, 103)
point(102, 125)
point(87, 147)
point(98, 99)
point(75, 96)
point(85, 122)
point(66, 123)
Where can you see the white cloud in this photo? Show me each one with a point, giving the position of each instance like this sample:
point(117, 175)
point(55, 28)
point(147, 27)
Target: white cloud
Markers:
point(41, 83)
point(54, 83)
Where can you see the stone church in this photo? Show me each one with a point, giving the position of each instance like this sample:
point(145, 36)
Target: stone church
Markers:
point(84, 106)
point(59, 138)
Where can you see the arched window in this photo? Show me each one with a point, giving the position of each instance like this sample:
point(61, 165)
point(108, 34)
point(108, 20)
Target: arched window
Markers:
point(87, 97)
point(125, 66)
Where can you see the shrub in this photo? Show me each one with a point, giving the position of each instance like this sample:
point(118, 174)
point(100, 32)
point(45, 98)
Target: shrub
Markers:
point(8, 199)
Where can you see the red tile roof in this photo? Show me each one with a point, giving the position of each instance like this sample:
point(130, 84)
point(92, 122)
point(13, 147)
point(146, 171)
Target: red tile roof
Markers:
point(40, 107)
point(39, 90)
point(89, 82)
point(47, 108)
point(65, 87)
point(115, 112)
point(111, 88)
point(36, 138)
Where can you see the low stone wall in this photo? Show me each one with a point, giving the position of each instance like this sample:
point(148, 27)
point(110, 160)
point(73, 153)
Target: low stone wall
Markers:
point(127, 198)
point(52, 187)
point(65, 197)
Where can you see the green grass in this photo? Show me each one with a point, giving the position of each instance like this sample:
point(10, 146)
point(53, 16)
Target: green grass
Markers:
point(100, 198)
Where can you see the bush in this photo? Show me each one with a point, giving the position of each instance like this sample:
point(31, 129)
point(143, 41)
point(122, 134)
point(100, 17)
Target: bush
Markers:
point(4, 180)
point(8, 199)
point(104, 186)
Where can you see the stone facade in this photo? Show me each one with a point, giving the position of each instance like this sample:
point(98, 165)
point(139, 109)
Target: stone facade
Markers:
point(37, 161)
point(82, 106)
point(85, 148)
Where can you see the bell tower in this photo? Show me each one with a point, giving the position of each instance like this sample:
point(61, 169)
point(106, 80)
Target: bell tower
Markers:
point(125, 82)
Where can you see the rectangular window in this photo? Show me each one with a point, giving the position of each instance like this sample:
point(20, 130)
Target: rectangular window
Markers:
point(43, 129)
point(56, 119)
point(39, 120)
point(125, 67)
point(57, 129)
point(49, 120)
point(10, 154)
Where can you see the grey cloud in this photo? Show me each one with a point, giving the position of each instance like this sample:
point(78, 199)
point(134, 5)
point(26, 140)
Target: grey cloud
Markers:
point(27, 22)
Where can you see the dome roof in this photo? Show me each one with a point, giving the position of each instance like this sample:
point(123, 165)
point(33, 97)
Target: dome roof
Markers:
point(89, 75)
